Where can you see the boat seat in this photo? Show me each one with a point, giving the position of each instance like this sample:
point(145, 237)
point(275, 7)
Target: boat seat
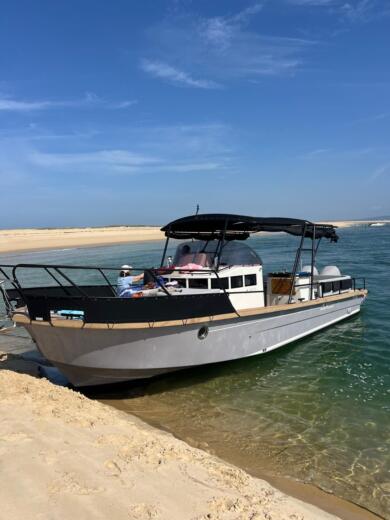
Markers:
point(198, 259)
point(185, 260)
point(202, 259)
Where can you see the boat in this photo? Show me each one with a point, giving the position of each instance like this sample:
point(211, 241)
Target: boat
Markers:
point(377, 224)
point(214, 302)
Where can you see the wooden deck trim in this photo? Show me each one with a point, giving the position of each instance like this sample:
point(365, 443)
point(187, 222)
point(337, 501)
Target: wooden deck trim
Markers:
point(23, 319)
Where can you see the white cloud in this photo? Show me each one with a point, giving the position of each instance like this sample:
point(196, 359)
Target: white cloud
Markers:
point(220, 48)
point(380, 172)
point(193, 167)
point(314, 153)
point(217, 32)
point(90, 99)
point(101, 158)
point(245, 14)
point(313, 2)
point(350, 154)
point(13, 105)
point(38, 158)
point(123, 104)
point(352, 11)
point(373, 118)
point(220, 30)
point(357, 11)
point(117, 162)
point(162, 70)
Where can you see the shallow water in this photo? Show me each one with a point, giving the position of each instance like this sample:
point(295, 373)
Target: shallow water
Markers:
point(317, 410)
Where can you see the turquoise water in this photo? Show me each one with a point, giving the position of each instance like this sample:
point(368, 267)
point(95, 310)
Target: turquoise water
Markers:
point(317, 410)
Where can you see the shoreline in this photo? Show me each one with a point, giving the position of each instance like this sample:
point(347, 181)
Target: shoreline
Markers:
point(308, 493)
point(316, 503)
point(32, 240)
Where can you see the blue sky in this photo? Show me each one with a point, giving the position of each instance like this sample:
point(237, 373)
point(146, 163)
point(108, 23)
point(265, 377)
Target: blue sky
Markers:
point(134, 112)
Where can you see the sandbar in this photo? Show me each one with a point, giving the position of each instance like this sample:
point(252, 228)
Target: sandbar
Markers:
point(23, 240)
point(352, 223)
point(20, 240)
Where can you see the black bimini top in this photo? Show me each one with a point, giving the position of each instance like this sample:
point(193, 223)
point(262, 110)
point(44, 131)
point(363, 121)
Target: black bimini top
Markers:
point(211, 226)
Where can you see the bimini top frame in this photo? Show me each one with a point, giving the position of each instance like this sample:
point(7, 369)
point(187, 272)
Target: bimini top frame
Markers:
point(211, 226)
point(224, 227)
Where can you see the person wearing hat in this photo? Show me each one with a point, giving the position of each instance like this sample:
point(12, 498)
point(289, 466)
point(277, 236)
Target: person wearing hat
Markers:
point(126, 279)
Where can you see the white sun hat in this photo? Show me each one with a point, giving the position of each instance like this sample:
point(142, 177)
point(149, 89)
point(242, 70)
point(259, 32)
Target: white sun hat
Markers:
point(126, 267)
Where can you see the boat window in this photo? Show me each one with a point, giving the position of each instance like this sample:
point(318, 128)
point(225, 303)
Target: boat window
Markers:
point(200, 254)
point(180, 281)
point(198, 283)
point(336, 286)
point(220, 283)
point(238, 253)
point(346, 284)
point(236, 281)
point(250, 279)
point(197, 253)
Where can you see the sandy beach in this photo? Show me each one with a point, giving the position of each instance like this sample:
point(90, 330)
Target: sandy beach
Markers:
point(351, 223)
point(65, 456)
point(20, 240)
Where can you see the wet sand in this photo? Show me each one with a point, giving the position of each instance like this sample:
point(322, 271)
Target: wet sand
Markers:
point(309, 493)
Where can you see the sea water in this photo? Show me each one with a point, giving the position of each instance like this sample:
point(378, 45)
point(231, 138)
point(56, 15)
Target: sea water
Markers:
point(317, 410)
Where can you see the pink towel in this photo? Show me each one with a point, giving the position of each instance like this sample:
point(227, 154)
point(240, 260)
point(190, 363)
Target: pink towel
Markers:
point(191, 266)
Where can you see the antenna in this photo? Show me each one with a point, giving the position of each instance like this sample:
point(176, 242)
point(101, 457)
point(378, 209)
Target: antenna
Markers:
point(197, 209)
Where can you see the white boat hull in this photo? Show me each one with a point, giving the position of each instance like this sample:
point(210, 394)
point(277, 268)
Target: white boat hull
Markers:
point(106, 354)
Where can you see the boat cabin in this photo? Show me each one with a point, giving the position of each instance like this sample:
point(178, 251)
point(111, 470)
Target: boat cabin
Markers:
point(213, 272)
point(217, 259)
point(203, 265)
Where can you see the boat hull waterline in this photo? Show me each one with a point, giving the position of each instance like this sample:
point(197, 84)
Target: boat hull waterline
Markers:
point(93, 356)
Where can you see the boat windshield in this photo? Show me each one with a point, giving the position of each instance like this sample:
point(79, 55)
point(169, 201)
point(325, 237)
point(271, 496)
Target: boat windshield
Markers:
point(200, 253)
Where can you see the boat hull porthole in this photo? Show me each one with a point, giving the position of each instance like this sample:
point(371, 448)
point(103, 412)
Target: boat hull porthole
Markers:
point(203, 332)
